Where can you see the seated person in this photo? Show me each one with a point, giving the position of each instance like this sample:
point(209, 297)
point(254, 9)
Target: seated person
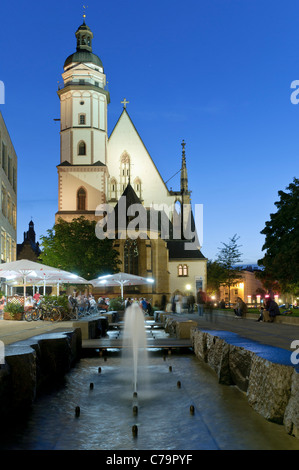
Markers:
point(240, 308)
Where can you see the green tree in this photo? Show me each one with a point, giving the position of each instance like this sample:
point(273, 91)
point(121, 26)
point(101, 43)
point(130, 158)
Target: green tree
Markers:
point(281, 259)
point(228, 257)
point(73, 246)
point(215, 277)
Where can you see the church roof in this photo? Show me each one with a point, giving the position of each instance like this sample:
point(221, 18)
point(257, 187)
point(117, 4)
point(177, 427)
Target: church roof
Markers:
point(83, 56)
point(66, 163)
point(177, 250)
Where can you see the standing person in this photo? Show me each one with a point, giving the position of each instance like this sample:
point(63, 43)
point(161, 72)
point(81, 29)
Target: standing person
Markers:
point(200, 300)
point(191, 302)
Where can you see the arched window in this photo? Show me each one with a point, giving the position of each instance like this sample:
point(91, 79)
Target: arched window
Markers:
point(81, 199)
point(182, 270)
point(113, 188)
point(82, 148)
point(131, 255)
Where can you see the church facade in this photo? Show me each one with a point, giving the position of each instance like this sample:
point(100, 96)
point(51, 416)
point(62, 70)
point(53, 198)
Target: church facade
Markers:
point(97, 170)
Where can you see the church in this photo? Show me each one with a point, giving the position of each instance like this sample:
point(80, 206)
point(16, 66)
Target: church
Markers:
point(97, 170)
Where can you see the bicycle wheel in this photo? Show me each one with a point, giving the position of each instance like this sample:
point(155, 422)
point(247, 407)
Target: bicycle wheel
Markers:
point(28, 315)
point(36, 314)
point(55, 314)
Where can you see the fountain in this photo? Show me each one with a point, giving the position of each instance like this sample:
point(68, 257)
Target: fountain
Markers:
point(135, 360)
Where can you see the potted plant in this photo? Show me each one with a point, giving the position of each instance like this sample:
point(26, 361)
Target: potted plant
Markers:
point(13, 311)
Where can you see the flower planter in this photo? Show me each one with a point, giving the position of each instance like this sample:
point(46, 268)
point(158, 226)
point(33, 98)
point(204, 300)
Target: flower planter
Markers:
point(12, 316)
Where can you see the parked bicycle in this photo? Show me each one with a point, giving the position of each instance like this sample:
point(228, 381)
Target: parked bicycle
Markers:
point(43, 311)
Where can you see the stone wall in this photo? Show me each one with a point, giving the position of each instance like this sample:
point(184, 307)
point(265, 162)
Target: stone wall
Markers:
point(33, 365)
point(271, 389)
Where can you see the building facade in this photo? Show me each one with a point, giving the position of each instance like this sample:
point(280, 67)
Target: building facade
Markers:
point(8, 181)
point(97, 169)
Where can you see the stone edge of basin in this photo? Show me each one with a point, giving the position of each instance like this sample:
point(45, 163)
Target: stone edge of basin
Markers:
point(33, 365)
point(271, 388)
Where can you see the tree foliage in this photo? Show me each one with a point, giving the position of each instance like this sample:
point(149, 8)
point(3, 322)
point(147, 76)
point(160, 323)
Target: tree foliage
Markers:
point(228, 257)
point(73, 246)
point(281, 259)
point(215, 276)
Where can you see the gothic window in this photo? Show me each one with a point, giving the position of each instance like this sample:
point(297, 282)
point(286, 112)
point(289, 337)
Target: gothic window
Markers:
point(137, 187)
point(182, 270)
point(81, 199)
point(131, 255)
point(82, 119)
point(82, 148)
point(113, 188)
point(124, 169)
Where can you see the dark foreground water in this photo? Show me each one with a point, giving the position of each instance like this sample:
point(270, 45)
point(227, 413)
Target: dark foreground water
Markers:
point(222, 418)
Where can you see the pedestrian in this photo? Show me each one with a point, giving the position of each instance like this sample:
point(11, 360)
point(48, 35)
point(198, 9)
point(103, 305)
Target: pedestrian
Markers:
point(191, 302)
point(200, 300)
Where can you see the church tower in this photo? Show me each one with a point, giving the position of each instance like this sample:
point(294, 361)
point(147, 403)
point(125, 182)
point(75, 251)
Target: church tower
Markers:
point(83, 130)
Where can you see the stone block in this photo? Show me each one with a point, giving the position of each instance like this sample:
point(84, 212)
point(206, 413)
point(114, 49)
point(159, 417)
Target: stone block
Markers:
point(239, 365)
point(291, 416)
point(183, 328)
point(269, 388)
point(218, 358)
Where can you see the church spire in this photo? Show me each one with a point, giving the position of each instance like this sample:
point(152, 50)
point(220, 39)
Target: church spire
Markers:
point(184, 176)
point(84, 36)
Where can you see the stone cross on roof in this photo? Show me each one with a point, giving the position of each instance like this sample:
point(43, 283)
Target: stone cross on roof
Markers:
point(125, 102)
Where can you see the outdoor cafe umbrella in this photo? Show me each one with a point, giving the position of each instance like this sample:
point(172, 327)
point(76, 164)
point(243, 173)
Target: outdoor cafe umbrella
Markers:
point(26, 271)
point(121, 279)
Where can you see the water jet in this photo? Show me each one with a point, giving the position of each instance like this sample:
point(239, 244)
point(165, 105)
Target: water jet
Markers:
point(135, 345)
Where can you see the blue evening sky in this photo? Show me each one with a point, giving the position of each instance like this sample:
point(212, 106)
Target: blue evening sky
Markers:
point(216, 73)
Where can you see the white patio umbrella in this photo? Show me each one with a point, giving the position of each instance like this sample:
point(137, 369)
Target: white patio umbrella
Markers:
point(25, 270)
point(121, 279)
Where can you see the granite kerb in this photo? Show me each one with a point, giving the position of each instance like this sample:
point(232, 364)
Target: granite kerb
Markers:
point(265, 374)
point(35, 364)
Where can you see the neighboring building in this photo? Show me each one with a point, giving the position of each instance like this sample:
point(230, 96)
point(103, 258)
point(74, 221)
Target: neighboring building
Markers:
point(29, 249)
point(96, 169)
point(8, 181)
point(250, 289)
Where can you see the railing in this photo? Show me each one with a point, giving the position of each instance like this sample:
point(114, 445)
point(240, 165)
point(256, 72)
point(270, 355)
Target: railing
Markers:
point(81, 82)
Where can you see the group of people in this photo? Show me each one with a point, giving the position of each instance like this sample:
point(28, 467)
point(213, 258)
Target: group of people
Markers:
point(180, 303)
point(144, 304)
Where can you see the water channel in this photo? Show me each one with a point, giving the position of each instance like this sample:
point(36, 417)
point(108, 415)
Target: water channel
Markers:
point(222, 418)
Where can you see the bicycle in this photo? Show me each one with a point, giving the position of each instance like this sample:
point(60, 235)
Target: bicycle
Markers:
point(46, 312)
point(31, 313)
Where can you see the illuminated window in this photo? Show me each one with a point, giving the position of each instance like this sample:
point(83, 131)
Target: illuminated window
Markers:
point(182, 270)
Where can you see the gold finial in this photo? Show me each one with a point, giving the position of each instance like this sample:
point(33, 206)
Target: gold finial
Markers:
point(125, 102)
point(84, 12)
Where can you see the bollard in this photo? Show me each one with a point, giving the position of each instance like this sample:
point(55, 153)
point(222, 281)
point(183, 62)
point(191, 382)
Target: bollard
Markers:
point(99, 370)
point(192, 410)
point(179, 384)
point(77, 411)
point(135, 410)
point(170, 368)
point(134, 430)
point(135, 394)
point(91, 386)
